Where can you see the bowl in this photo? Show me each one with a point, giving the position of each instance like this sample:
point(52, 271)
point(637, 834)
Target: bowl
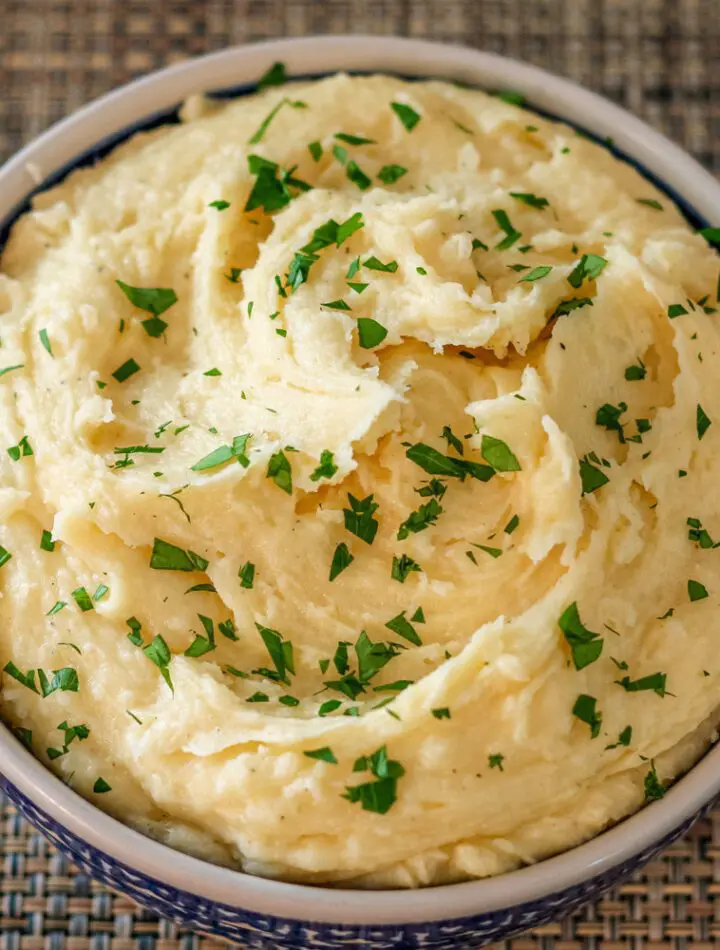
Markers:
point(271, 914)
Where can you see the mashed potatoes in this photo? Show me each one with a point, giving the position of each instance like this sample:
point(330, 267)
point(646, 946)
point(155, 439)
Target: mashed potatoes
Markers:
point(360, 484)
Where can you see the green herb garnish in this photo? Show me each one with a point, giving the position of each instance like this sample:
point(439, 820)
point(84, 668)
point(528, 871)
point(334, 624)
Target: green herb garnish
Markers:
point(529, 199)
point(323, 755)
point(168, 557)
point(370, 332)
point(585, 709)
point(403, 567)
point(359, 518)
point(342, 558)
point(511, 235)
point(327, 467)
point(246, 573)
point(389, 174)
point(585, 645)
point(655, 683)
point(378, 796)
point(280, 472)
point(128, 369)
point(407, 115)
point(498, 455)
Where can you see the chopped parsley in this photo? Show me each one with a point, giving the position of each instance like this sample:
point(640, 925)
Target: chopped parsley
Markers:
point(275, 76)
point(63, 680)
point(225, 453)
point(442, 712)
point(202, 645)
point(403, 567)
point(495, 761)
point(5, 555)
point(591, 477)
point(493, 552)
point(650, 203)
point(316, 151)
point(696, 591)
point(9, 369)
point(700, 535)
point(337, 305)
point(327, 467)
point(342, 558)
point(589, 267)
point(380, 795)
point(22, 450)
point(330, 705)
point(280, 472)
point(623, 739)
point(573, 303)
point(435, 463)
point(498, 455)
point(407, 115)
point(271, 190)
point(511, 235)
point(585, 645)
point(246, 573)
point(265, 124)
point(676, 310)
point(354, 139)
point(373, 263)
point(402, 626)
point(585, 709)
point(101, 787)
point(420, 519)
point(655, 682)
point(389, 174)
point(537, 273)
point(370, 332)
point(636, 372)
point(512, 524)
point(325, 754)
point(529, 199)
point(168, 557)
point(654, 788)
point(45, 340)
point(281, 654)
point(608, 416)
point(82, 599)
point(702, 421)
point(359, 518)
point(219, 204)
point(153, 300)
point(124, 372)
point(158, 652)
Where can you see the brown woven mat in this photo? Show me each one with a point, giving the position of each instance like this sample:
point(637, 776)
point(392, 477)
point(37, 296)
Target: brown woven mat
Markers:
point(659, 58)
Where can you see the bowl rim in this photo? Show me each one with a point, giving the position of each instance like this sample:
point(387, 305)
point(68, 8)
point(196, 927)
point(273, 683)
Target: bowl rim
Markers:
point(134, 104)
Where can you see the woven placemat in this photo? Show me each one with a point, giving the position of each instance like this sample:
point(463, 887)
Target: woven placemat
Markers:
point(658, 58)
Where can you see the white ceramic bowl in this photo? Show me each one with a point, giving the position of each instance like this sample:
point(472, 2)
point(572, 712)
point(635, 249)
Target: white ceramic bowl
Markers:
point(270, 914)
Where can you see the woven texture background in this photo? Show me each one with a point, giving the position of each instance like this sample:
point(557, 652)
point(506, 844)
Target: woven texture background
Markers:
point(658, 58)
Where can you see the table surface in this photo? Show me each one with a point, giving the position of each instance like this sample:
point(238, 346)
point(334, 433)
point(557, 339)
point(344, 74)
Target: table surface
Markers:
point(658, 58)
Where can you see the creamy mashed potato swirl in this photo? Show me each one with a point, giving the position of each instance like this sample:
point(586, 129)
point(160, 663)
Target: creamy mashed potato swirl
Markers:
point(363, 533)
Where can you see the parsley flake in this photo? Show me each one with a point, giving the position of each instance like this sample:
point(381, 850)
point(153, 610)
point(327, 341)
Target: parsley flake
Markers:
point(389, 174)
point(168, 557)
point(280, 472)
point(403, 567)
point(585, 645)
point(342, 558)
point(585, 710)
point(407, 115)
point(370, 332)
point(498, 455)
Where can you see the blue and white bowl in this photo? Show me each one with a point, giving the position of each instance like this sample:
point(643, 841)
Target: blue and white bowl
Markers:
point(270, 914)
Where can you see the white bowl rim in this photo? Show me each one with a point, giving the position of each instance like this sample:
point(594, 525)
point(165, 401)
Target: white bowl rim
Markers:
point(232, 67)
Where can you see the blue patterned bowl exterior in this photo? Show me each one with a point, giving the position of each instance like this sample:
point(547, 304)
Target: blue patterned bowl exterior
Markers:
point(264, 932)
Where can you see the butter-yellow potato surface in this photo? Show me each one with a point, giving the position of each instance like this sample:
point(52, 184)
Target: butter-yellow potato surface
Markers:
point(359, 485)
